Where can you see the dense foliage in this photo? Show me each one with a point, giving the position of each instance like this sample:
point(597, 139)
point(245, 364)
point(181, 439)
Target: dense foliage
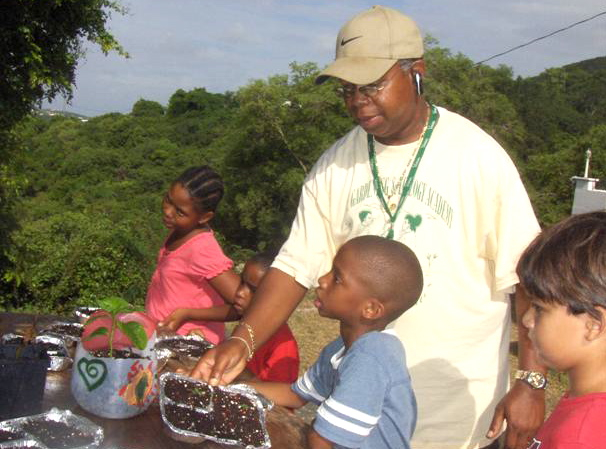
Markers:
point(88, 218)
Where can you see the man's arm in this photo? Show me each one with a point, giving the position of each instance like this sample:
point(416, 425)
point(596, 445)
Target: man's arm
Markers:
point(275, 299)
point(522, 407)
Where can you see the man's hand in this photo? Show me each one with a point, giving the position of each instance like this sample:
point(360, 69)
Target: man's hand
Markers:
point(175, 319)
point(524, 410)
point(221, 365)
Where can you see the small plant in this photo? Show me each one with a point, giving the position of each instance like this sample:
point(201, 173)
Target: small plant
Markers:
point(116, 326)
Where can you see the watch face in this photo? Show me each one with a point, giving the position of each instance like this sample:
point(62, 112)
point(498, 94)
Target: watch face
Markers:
point(536, 380)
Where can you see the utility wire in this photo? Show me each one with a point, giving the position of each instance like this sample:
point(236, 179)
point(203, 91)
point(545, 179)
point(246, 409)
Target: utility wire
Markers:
point(542, 37)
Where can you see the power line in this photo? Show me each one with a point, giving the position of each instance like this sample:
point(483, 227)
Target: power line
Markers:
point(542, 37)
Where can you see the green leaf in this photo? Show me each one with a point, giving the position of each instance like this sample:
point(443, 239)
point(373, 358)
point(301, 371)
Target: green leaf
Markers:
point(135, 332)
point(115, 305)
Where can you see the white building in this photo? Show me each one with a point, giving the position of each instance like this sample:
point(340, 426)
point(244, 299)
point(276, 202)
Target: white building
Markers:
point(586, 197)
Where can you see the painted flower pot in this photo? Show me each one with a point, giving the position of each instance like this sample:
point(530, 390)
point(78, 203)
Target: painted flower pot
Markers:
point(115, 388)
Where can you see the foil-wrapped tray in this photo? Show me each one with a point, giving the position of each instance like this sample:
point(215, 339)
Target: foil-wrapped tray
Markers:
point(57, 350)
point(69, 331)
point(84, 313)
point(12, 339)
point(185, 348)
point(55, 429)
point(233, 414)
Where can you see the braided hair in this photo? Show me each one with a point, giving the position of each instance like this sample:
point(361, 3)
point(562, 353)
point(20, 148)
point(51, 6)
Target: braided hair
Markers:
point(204, 185)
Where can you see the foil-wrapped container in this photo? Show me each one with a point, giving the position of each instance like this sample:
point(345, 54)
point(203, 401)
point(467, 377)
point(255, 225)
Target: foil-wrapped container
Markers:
point(69, 331)
point(84, 313)
point(53, 429)
point(58, 353)
point(185, 348)
point(12, 339)
point(194, 411)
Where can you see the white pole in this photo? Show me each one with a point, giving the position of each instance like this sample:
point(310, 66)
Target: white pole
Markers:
point(587, 158)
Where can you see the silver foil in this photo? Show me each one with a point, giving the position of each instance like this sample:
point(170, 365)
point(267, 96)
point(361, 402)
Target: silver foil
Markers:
point(261, 404)
point(54, 330)
point(64, 416)
point(60, 359)
point(164, 353)
point(84, 313)
point(12, 339)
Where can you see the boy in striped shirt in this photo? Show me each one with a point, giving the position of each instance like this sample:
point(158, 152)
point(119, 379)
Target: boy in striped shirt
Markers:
point(360, 381)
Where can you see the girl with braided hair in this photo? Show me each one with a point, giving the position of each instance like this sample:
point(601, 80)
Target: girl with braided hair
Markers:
point(192, 270)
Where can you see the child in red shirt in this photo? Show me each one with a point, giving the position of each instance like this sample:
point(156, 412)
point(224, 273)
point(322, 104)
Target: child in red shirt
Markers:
point(275, 361)
point(564, 271)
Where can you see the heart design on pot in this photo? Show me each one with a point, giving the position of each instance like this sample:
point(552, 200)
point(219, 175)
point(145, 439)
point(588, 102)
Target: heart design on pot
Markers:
point(93, 372)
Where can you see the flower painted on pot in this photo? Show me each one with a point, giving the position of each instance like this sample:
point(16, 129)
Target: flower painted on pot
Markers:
point(140, 384)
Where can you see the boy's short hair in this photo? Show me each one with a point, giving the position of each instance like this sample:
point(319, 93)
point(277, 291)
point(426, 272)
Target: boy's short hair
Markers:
point(392, 272)
point(566, 264)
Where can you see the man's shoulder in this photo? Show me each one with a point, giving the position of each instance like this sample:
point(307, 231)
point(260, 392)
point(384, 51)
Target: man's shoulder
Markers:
point(342, 153)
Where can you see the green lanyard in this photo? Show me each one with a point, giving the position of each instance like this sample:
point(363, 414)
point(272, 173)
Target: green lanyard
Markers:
point(431, 123)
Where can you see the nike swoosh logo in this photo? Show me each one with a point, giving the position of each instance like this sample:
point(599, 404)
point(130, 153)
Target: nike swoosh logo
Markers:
point(347, 41)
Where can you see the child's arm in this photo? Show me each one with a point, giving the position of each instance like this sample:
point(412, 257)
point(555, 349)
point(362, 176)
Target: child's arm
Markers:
point(278, 392)
point(226, 285)
point(224, 312)
point(317, 441)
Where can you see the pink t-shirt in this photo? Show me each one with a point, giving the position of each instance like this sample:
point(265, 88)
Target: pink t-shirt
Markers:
point(181, 281)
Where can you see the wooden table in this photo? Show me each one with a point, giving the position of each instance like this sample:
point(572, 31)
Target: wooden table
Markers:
point(147, 430)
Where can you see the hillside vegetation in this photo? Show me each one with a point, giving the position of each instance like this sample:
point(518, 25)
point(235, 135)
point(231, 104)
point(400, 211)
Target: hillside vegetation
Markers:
point(81, 217)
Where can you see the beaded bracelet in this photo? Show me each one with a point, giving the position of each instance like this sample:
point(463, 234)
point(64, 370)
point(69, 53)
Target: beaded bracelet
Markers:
point(250, 354)
point(251, 334)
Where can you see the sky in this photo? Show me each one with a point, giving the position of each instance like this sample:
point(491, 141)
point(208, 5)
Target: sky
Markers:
point(223, 45)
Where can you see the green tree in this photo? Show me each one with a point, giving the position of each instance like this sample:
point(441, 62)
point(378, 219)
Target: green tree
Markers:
point(40, 45)
point(278, 131)
point(146, 108)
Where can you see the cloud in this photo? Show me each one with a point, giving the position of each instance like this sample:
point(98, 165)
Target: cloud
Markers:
point(223, 45)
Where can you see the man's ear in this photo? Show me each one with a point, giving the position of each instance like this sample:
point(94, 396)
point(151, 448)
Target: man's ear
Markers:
point(206, 217)
point(373, 309)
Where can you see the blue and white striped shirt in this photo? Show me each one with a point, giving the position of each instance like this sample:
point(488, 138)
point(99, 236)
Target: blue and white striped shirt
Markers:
point(364, 395)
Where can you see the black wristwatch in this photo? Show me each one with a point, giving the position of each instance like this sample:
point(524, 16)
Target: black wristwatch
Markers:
point(535, 379)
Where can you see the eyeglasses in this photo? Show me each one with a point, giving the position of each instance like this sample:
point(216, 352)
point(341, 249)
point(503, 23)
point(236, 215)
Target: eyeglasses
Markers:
point(369, 90)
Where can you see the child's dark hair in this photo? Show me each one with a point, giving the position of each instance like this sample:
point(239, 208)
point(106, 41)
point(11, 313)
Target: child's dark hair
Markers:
point(566, 264)
point(204, 185)
point(264, 258)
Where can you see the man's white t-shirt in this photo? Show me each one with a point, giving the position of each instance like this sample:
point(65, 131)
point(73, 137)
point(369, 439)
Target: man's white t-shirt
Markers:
point(467, 218)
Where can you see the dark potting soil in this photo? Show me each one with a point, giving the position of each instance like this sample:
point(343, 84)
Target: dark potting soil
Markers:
point(66, 329)
point(188, 419)
point(234, 416)
point(186, 392)
point(57, 435)
point(117, 354)
point(9, 435)
point(191, 348)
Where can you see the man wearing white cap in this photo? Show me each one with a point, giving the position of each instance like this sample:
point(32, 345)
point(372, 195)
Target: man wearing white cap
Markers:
point(436, 182)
